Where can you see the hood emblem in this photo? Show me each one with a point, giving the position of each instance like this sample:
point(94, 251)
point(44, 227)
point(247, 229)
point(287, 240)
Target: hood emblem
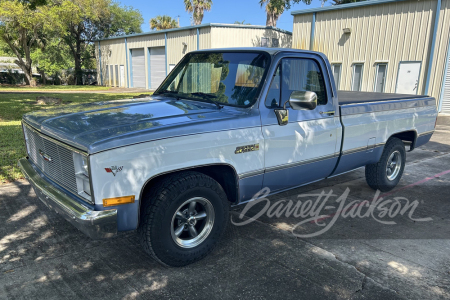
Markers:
point(114, 170)
point(46, 157)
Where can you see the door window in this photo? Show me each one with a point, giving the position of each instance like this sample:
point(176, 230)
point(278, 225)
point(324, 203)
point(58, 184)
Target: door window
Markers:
point(302, 75)
point(380, 78)
point(357, 77)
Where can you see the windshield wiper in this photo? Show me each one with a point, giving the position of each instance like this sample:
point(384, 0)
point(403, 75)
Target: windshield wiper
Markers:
point(168, 92)
point(208, 97)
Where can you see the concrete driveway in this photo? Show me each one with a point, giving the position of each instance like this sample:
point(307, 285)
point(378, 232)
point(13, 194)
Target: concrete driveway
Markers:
point(44, 257)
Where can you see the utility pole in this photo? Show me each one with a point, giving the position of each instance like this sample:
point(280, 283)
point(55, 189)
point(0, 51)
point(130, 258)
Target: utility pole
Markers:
point(178, 17)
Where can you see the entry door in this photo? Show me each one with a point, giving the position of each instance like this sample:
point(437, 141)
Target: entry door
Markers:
point(305, 149)
point(122, 76)
point(157, 66)
point(138, 68)
point(408, 77)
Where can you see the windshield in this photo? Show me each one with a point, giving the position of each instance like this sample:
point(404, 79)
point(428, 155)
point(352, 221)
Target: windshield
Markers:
point(230, 78)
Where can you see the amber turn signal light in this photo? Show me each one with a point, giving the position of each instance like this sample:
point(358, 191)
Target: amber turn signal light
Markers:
point(118, 201)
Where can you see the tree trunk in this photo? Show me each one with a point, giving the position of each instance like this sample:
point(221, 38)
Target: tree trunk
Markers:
point(78, 70)
point(272, 19)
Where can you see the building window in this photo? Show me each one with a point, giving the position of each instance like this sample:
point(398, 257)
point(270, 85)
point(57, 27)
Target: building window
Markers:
point(264, 42)
point(336, 69)
point(380, 78)
point(275, 42)
point(357, 77)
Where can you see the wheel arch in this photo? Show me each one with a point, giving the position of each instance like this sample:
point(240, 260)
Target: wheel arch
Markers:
point(224, 174)
point(409, 137)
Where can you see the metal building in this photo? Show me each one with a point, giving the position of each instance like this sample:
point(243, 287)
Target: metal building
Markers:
point(382, 45)
point(143, 60)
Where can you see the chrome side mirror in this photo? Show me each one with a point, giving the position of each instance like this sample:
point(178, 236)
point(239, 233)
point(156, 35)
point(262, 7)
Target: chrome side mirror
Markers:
point(303, 100)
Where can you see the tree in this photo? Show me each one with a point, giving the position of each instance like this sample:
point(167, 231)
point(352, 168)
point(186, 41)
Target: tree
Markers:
point(197, 8)
point(94, 20)
point(23, 25)
point(274, 9)
point(163, 22)
point(52, 58)
point(273, 12)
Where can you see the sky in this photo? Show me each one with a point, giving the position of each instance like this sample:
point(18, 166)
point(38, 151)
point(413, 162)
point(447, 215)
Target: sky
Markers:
point(223, 11)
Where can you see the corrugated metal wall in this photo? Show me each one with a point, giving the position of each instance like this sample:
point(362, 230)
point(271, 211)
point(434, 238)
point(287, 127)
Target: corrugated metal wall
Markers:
point(112, 53)
point(302, 31)
point(175, 48)
point(205, 38)
point(391, 32)
point(222, 37)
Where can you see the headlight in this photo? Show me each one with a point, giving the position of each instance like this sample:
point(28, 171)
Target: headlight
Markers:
point(81, 164)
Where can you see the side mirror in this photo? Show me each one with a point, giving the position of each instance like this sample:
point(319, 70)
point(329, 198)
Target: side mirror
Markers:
point(298, 101)
point(303, 100)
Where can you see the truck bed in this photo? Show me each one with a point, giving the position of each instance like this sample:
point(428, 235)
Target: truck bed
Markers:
point(352, 103)
point(348, 97)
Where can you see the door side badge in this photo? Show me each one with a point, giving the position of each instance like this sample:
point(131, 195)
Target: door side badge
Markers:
point(248, 148)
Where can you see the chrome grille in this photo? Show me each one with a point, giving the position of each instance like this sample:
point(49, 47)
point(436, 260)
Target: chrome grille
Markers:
point(61, 167)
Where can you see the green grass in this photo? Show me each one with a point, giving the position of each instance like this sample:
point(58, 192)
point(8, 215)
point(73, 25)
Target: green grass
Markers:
point(19, 88)
point(12, 107)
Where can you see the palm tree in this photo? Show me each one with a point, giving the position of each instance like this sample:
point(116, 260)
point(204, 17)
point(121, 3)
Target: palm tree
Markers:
point(163, 22)
point(197, 8)
point(273, 13)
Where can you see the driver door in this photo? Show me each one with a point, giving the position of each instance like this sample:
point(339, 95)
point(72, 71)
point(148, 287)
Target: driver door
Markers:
point(306, 148)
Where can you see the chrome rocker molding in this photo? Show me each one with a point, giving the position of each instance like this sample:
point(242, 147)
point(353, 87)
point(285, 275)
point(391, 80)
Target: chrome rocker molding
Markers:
point(95, 224)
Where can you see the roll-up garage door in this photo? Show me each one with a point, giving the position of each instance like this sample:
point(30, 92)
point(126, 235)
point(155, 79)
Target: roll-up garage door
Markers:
point(138, 67)
point(446, 95)
point(157, 66)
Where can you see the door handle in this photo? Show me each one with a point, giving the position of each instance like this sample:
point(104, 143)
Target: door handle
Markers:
point(330, 113)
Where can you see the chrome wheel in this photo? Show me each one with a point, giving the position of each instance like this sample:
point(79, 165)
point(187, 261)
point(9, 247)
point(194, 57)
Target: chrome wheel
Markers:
point(394, 164)
point(192, 222)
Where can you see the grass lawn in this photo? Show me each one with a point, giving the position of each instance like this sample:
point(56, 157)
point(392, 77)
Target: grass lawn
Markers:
point(19, 88)
point(12, 107)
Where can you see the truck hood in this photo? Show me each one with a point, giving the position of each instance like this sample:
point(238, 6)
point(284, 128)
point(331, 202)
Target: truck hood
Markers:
point(100, 126)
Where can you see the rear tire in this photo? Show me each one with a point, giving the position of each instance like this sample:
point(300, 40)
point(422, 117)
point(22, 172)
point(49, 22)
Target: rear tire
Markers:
point(182, 218)
point(387, 172)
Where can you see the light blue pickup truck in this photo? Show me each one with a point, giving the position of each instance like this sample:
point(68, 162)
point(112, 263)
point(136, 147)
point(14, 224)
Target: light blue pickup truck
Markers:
point(224, 124)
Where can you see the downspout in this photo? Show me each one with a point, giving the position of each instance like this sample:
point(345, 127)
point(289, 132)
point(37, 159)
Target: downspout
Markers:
point(126, 61)
point(100, 60)
point(433, 43)
point(313, 26)
point(444, 78)
point(165, 49)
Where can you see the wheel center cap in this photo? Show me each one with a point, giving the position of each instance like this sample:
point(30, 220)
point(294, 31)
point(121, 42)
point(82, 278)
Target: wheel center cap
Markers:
point(192, 221)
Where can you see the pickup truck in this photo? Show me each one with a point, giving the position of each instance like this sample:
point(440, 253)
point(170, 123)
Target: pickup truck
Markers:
point(224, 124)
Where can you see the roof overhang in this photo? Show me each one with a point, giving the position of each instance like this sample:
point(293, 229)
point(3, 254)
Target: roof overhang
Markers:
point(342, 6)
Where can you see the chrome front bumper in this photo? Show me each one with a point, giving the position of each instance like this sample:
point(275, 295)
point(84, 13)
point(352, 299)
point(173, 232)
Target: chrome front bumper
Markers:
point(95, 224)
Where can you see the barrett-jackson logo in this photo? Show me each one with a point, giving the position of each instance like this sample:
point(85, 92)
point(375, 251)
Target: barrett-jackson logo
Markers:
point(114, 170)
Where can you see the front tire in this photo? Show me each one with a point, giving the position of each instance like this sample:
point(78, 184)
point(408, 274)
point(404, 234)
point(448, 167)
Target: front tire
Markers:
point(182, 218)
point(386, 174)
